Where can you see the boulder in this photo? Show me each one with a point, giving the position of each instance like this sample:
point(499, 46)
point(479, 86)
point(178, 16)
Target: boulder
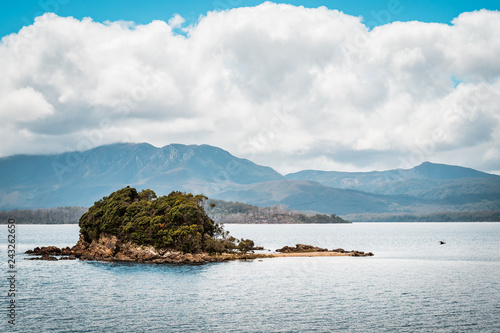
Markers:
point(43, 257)
point(70, 257)
point(66, 251)
point(45, 250)
point(285, 249)
point(301, 248)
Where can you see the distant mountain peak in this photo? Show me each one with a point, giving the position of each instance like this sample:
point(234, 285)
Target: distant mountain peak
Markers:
point(80, 178)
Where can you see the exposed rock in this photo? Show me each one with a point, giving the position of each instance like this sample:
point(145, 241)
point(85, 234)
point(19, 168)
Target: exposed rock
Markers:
point(301, 248)
point(43, 257)
point(109, 248)
point(285, 249)
point(105, 248)
point(360, 254)
point(70, 257)
point(50, 250)
point(46, 250)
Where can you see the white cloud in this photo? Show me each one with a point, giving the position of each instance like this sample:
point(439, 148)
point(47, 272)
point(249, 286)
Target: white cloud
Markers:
point(176, 21)
point(24, 105)
point(274, 83)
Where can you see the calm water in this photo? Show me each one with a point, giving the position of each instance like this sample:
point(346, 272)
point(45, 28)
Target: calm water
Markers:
point(413, 284)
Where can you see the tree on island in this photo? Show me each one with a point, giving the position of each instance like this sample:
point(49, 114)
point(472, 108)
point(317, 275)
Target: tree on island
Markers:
point(177, 221)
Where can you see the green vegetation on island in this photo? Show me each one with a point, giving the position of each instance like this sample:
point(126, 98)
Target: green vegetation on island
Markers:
point(136, 226)
point(176, 221)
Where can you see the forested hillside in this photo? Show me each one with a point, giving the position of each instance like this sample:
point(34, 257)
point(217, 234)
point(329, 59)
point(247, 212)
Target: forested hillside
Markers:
point(479, 216)
point(57, 215)
point(237, 212)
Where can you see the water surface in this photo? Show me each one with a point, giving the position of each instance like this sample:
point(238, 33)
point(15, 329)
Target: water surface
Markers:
point(413, 284)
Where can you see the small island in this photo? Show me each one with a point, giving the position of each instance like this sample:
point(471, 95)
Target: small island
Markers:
point(132, 226)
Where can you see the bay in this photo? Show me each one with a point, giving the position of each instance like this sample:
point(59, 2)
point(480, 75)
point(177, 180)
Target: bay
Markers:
point(412, 284)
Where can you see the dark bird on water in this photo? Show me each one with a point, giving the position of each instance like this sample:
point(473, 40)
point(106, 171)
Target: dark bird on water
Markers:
point(441, 242)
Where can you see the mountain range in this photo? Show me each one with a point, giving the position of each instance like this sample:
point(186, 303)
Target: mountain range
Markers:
point(80, 178)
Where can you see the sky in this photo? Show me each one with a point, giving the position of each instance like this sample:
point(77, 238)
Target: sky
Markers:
point(330, 85)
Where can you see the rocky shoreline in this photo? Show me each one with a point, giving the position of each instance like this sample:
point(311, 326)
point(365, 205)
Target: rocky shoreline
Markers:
point(305, 249)
point(110, 249)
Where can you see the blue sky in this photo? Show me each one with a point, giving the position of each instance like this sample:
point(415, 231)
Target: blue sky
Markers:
point(16, 14)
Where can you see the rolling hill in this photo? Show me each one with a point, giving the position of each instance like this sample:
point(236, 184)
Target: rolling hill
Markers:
point(426, 181)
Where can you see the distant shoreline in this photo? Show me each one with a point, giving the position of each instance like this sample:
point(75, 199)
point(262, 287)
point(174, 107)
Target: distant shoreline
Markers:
point(355, 222)
point(446, 217)
point(71, 215)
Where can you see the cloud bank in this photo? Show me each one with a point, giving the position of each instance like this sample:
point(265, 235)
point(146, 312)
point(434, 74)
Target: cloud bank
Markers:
point(285, 86)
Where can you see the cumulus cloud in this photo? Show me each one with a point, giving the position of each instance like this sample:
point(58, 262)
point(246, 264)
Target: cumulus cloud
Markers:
point(24, 105)
point(286, 86)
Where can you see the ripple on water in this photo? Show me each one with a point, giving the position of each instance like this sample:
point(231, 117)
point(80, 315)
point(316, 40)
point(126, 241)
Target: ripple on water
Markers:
point(403, 290)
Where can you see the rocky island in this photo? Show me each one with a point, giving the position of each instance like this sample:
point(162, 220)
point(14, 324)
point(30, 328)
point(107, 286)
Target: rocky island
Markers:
point(302, 250)
point(132, 226)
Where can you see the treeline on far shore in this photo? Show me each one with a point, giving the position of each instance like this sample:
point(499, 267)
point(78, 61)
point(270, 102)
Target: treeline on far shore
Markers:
point(218, 210)
point(238, 212)
point(475, 216)
point(56, 215)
